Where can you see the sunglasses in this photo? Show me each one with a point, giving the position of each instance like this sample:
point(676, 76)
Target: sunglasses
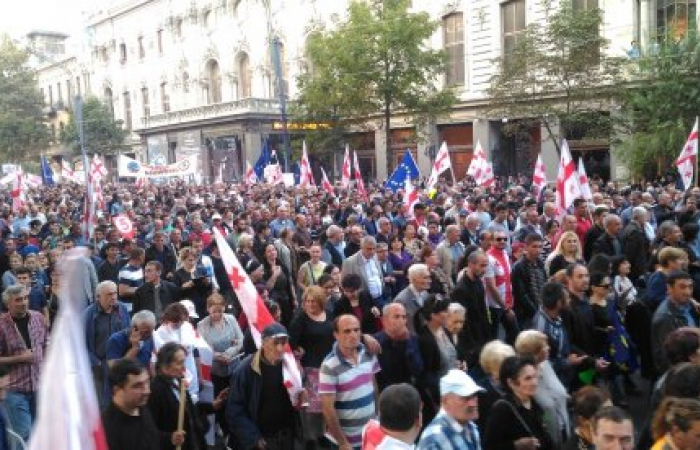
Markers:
point(501, 239)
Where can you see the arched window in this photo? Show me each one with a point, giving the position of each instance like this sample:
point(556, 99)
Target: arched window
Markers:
point(213, 86)
point(245, 76)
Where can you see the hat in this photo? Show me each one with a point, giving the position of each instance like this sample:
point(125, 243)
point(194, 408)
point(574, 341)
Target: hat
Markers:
point(458, 382)
point(274, 330)
point(216, 216)
point(189, 306)
point(252, 265)
point(463, 212)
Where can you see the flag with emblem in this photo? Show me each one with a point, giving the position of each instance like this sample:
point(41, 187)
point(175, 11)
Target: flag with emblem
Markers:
point(539, 177)
point(325, 184)
point(441, 164)
point(256, 312)
point(250, 176)
point(687, 160)
point(360, 184)
point(486, 177)
point(584, 184)
point(306, 177)
point(568, 188)
point(345, 179)
point(406, 168)
point(410, 197)
point(478, 164)
point(273, 171)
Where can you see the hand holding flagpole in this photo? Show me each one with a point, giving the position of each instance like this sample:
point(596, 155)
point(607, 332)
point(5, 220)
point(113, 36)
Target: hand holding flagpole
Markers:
point(181, 410)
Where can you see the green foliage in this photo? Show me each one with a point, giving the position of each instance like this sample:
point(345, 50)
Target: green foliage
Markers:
point(662, 106)
point(22, 132)
point(103, 134)
point(374, 64)
point(558, 73)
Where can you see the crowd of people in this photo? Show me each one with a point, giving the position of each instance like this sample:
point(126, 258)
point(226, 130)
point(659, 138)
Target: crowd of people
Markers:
point(480, 318)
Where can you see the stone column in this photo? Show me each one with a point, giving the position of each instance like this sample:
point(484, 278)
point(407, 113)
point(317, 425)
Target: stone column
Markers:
point(380, 154)
point(252, 146)
point(548, 150)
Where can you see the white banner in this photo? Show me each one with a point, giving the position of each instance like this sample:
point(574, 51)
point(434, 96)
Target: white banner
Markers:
point(129, 167)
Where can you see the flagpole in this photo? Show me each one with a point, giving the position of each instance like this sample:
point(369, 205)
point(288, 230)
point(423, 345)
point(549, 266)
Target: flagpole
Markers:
point(696, 159)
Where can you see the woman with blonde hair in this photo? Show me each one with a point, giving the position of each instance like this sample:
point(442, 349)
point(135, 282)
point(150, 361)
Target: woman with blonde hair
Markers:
point(677, 424)
point(492, 356)
point(568, 251)
point(551, 395)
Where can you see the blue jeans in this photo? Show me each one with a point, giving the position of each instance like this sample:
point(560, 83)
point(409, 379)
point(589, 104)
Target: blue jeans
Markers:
point(21, 411)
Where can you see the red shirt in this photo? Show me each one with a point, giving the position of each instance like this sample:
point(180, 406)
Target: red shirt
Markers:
point(582, 226)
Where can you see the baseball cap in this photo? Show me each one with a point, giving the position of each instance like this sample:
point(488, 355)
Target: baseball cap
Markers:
point(458, 382)
point(274, 330)
point(216, 216)
point(191, 310)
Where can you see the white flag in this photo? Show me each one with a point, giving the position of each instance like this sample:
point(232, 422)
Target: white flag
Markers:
point(568, 188)
point(687, 160)
point(442, 163)
point(585, 186)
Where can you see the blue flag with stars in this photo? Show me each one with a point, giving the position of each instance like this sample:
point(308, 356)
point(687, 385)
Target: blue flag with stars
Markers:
point(46, 172)
point(407, 169)
point(262, 162)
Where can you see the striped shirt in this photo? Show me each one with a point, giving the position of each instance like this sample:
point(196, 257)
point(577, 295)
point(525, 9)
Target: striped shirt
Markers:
point(131, 276)
point(444, 433)
point(353, 387)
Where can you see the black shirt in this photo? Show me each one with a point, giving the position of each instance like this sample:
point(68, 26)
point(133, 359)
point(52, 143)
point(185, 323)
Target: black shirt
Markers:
point(276, 412)
point(22, 324)
point(131, 432)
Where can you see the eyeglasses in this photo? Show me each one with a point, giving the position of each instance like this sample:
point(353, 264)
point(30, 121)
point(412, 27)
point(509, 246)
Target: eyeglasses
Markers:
point(501, 239)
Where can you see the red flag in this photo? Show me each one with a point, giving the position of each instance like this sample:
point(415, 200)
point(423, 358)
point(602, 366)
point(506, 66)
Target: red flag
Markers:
point(306, 178)
point(478, 164)
point(256, 312)
point(345, 179)
point(250, 176)
point(568, 187)
point(687, 160)
point(487, 178)
point(410, 197)
point(442, 163)
point(18, 193)
point(68, 416)
point(326, 185)
point(358, 178)
point(539, 177)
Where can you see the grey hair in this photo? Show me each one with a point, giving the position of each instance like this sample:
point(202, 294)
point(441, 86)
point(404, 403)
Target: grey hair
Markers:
point(417, 269)
point(609, 219)
point(475, 255)
point(144, 316)
point(456, 308)
point(12, 292)
point(333, 230)
point(368, 240)
point(639, 212)
point(383, 220)
point(389, 306)
point(665, 228)
point(104, 286)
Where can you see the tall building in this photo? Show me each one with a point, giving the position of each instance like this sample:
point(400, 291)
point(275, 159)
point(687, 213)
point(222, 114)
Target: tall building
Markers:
point(197, 77)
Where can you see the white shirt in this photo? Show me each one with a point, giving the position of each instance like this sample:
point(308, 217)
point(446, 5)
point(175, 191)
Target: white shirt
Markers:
point(374, 277)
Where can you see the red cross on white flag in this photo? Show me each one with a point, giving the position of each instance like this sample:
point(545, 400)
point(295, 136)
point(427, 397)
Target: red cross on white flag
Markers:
point(345, 179)
point(306, 177)
point(687, 160)
point(326, 185)
point(358, 179)
point(584, 184)
point(410, 197)
point(539, 177)
point(442, 163)
point(567, 180)
point(250, 176)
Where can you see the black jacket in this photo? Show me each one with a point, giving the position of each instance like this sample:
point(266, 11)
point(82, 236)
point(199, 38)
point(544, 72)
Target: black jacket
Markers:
point(368, 323)
point(508, 421)
point(132, 432)
point(589, 239)
point(605, 244)
point(169, 260)
point(636, 249)
point(526, 300)
point(144, 298)
point(477, 331)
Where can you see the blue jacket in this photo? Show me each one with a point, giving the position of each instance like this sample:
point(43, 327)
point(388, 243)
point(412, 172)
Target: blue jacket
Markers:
point(244, 402)
point(120, 320)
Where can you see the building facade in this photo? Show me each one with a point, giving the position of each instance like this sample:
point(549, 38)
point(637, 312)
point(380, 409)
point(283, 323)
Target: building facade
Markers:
point(198, 77)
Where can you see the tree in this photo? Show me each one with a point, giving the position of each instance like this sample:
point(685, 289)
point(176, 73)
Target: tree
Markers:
point(558, 72)
point(374, 64)
point(103, 134)
point(23, 133)
point(661, 106)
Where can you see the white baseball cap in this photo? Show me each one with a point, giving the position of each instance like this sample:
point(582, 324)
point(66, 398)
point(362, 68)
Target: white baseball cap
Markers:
point(191, 310)
point(458, 382)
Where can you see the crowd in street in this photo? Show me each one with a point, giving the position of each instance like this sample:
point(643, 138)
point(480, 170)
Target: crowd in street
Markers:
point(481, 318)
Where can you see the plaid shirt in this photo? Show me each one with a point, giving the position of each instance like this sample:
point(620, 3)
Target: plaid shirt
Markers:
point(24, 377)
point(444, 433)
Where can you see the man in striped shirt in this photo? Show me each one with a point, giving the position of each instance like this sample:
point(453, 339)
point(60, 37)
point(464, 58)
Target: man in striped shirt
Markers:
point(347, 386)
point(131, 277)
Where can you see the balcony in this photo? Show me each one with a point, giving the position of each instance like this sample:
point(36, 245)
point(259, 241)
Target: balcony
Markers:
point(255, 106)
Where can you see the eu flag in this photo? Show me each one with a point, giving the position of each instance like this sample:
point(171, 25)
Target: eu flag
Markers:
point(262, 162)
point(407, 169)
point(46, 172)
point(296, 170)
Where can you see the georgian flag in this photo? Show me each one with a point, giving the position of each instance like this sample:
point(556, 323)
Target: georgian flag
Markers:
point(326, 185)
point(410, 197)
point(478, 164)
point(585, 185)
point(568, 188)
point(358, 179)
point(487, 178)
point(67, 174)
point(345, 180)
point(687, 160)
point(18, 193)
point(306, 178)
point(250, 175)
point(257, 314)
point(442, 163)
point(539, 177)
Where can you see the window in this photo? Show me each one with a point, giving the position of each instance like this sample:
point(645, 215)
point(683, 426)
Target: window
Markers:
point(584, 4)
point(127, 110)
point(675, 18)
point(587, 52)
point(453, 32)
point(513, 23)
point(145, 102)
point(213, 86)
point(244, 76)
point(159, 41)
point(185, 82)
point(109, 101)
point(164, 97)
point(142, 50)
point(122, 52)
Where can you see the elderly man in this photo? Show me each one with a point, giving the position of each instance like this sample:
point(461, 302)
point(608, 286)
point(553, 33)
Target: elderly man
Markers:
point(282, 221)
point(355, 234)
point(334, 248)
point(135, 342)
point(635, 243)
point(454, 428)
point(450, 251)
point(101, 319)
point(259, 412)
point(23, 338)
point(364, 264)
point(400, 358)
point(347, 385)
point(413, 296)
point(470, 233)
point(609, 243)
point(384, 232)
